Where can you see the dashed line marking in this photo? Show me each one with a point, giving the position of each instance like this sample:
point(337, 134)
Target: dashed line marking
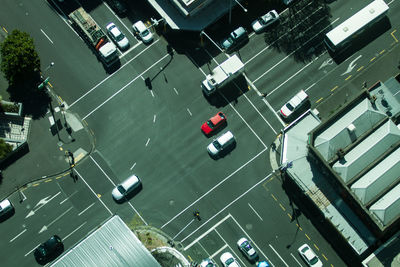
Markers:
point(307, 237)
point(35, 184)
point(133, 166)
point(360, 68)
point(319, 100)
point(190, 113)
point(323, 255)
point(348, 77)
point(274, 197)
point(290, 216)
point(176, 91)
point(4, 29)
point(154, 118)
point(334, 88)
point(372, 59)
point(298, 226)
point(317, 248)
point(282, 207)
point(383, 51)
point(48, 180)
point(148, 140)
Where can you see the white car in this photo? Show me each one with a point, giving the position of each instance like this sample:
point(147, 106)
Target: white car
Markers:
point(122, 190)
point(142, 31)
point(264, 21)
point(245, 246)
point(295, 103)
point(221, 143)
point(228, 260)
point(6, 208)
point(207, 263)
point(309, 256)
point(117, 36)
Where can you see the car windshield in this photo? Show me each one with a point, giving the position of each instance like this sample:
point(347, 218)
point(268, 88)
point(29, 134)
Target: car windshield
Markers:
point(145, 32)
point(290, 107)
point(217, 145)
point(41, 250)
point(121, 189)
point(246, 245)
point(120, 37)
point(210, 124)
point(314, 260)
point(229, 261)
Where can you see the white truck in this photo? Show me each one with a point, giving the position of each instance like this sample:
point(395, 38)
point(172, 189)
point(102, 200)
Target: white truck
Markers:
point(94, 35)
point(223, 74)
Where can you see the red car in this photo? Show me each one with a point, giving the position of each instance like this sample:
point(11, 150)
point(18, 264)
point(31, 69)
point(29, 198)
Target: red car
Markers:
point(213, 123)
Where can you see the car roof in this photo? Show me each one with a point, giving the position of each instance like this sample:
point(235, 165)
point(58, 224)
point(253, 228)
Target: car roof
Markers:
point(140, 26)
point(216, 118)
point(130, 181)
point(5, 203)
point(225, 137)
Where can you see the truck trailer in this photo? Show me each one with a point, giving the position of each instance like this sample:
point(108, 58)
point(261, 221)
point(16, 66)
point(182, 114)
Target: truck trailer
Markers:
point(94, 36)
point(223, 74)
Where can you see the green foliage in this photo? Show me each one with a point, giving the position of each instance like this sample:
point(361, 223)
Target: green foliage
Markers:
point(18, 56)
point(4, 149)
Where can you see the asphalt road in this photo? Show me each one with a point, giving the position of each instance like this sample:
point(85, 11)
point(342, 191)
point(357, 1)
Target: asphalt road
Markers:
point(156, 135)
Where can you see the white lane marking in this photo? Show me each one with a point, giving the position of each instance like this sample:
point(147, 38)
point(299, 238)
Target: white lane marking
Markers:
point(258, 215)
point(265, 48)
point(252, 241)
point(45, 227)
point(308, 88)
point(176, 91)
point(114, 73)
point(218, 251)
point(101, 201)
point(17, 235)
point(296, 260)
point(29, 252)
point(23, 195)
point(213, 188)
point(79, 227)
point(142, 78)
point(154, 118)
point(101, 169)
point(148, 141)
point(186, 226)
point(133, 166)
point(208, 254)
point(278, 254)
point(68, 197)
point(46, 36)
point(41, 204)
point(232, 250)
point(190, 113)
point(265, 73)
point(207, 232)
point(351, 66)
point(83, 211)
point(151, 92)
point(227, 206)
point(130, 49)
point(123, 88)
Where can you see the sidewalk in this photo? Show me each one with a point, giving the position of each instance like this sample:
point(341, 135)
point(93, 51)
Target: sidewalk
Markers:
point(49, 138)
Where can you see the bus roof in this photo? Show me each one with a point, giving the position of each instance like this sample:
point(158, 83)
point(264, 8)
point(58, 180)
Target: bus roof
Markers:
point(357, 21)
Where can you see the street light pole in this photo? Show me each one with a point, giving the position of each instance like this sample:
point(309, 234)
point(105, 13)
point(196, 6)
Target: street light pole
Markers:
point(205, 34)
point(49, 66)
point(244, 9)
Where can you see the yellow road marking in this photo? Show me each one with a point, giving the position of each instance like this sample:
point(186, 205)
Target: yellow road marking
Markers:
point(307, 237)
point(272, 195)
point(360, 68)
point(383, 51)
point(4, 29)
point(298, 226)
point(372, 59)
point(392, 33)
point(317, 248)
point(79, 157)
point(282, 207)
point(189, 258)
point(290, 216)
point(99, 195)
point(323, 255)
point(348, 77)
point(48, 180)
point(319, 100)
point(334, 88)
point(61, 149)
point(35, 184)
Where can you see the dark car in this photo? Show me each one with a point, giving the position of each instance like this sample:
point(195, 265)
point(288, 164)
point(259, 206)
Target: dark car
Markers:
point(235, 39)
point(49, 250)
point(118, 6)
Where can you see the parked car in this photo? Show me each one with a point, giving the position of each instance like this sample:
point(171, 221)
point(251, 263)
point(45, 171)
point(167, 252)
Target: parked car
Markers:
point(288, 2)
point(118, 6)
point(228, 260)
point(294, 104)
point(207, 263)
point(122, 190)
point(247, 249)
point(235, 39)
point(309, 256)
point(214, 123)
point(221, 143)
point(6, 208)
point(49, 250)
point(142, 32)
point(117, 36)
point(263, 22)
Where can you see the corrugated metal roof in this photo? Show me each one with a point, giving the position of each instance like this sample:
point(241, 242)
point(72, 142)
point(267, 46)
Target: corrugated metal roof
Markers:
point(363, 116)
point(367, 151)
point(378, 178)
point(112, 244)
point(388, 207)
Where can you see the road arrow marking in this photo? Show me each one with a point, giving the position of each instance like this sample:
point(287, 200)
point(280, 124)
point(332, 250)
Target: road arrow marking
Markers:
point(40, 204)
point(45, 227)
point(351, 66)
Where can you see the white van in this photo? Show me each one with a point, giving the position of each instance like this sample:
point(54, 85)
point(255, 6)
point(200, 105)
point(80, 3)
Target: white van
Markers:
point(221, 143)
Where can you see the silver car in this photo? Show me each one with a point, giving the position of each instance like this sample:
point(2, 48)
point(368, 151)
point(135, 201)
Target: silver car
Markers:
point(117, 36)
point(122, 190)
point(263, 22)
point(6, 208)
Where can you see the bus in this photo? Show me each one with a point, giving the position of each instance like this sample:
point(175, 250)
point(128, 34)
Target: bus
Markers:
point(342, 34)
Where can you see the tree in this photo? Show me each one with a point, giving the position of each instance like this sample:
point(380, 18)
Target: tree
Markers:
point(19, 58)
point(4, 149)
